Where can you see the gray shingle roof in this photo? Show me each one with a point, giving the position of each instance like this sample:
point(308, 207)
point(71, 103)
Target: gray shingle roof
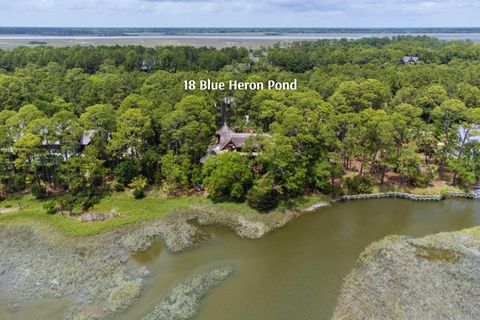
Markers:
point(86, 137)
point(227, 136)
point(409, 59)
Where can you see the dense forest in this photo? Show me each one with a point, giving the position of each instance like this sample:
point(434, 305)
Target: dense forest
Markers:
point(79, 122)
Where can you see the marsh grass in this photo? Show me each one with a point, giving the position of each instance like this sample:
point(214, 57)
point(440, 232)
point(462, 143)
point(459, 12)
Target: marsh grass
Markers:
point(183, 300)
point(435, 277)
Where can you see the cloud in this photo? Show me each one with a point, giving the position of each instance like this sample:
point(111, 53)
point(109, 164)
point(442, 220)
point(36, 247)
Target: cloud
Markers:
point(237, 12)
point(289, 5)
point(336, 5)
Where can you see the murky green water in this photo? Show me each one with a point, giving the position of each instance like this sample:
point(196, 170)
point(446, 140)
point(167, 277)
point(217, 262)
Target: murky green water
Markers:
point(295, 272)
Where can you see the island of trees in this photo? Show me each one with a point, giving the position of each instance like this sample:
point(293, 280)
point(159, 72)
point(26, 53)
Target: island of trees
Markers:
point(79, 122)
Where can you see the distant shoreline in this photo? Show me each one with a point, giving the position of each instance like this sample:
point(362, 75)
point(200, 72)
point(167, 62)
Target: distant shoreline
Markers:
point(108, 32)
point(219, 38)
point(240, 35)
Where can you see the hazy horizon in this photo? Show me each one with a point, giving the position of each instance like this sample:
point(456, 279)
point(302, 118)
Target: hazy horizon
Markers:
point(238, 27)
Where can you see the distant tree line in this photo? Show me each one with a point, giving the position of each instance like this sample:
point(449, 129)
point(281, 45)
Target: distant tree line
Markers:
point(131, 58)
point(81, 121)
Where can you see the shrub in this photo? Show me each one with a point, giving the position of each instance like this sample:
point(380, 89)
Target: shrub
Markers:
point(19, 183)
point(126, 171)
point(139, 184)
point(50, 207)
point(359, 184)
point(138, 193)
point(66, 203)
point(422, 180)
point(119, 187)
point(39, 191)
point(262, 196)
point(424, 177)
point(88, 202)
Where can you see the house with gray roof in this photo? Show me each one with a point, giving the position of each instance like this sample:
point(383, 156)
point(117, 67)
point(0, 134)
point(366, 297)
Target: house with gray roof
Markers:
point(409, 60)
point(227, 141)
point(86, 137)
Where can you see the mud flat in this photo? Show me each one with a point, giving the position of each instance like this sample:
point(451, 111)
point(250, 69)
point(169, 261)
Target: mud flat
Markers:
point(435, 277)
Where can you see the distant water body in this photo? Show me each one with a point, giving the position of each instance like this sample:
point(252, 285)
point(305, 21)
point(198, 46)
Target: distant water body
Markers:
point(251, 36)
point(215, 39)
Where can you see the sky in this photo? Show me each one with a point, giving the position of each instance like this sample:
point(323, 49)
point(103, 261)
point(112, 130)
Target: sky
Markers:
point(240, 13)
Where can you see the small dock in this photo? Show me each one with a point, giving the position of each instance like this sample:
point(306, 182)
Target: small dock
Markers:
point(408, 196)
point(462, 195)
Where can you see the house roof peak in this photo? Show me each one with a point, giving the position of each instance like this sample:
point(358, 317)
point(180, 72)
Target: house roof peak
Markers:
point(224, 130)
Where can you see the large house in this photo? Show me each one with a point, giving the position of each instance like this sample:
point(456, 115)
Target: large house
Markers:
point(227, 141)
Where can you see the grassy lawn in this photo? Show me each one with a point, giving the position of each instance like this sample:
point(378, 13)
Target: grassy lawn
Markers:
point(128, 211)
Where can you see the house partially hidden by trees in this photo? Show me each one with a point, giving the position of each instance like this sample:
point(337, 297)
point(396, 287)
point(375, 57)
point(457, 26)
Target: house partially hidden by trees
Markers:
point(55, 147)
point(409, 60)
point(468, 136)
point(227, 141)
point(469, 142)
